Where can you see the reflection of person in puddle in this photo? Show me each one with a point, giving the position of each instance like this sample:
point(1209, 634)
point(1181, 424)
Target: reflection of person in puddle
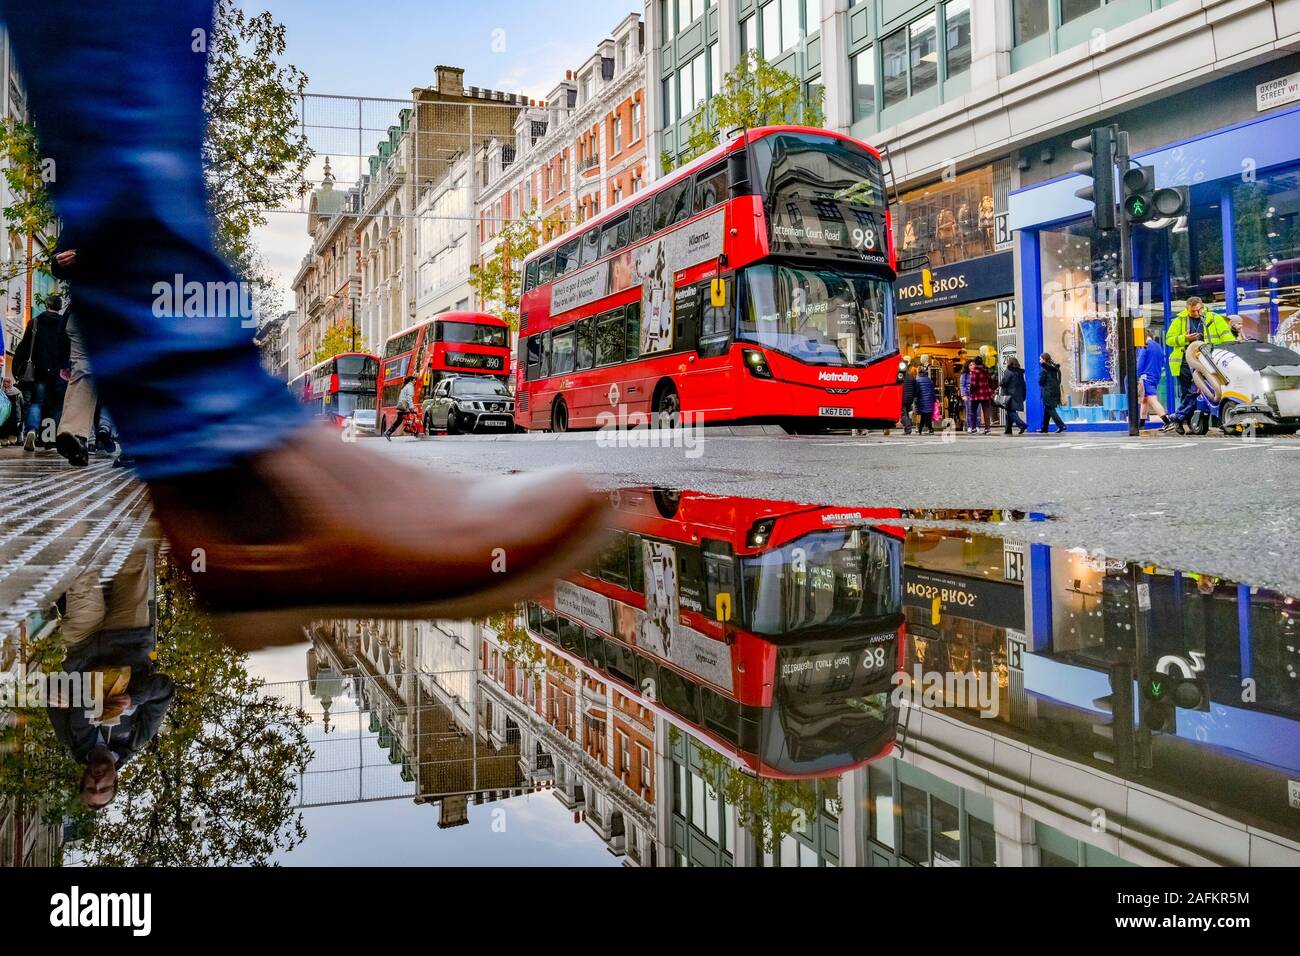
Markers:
point(110, 638)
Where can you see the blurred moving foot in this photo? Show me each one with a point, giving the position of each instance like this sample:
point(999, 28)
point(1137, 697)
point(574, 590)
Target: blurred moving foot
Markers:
point(29, 441)
point(318, 528)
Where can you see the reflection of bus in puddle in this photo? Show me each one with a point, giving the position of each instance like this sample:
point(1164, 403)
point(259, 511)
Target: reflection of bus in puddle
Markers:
point(771, 629)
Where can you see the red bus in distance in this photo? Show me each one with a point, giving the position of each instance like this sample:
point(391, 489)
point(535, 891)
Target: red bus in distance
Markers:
point(770, 629)
point(339, 386)
point(753, 285)
point(453, 343)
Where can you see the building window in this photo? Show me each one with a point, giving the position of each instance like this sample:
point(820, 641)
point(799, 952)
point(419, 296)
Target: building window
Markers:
point(618, 134)
point(670, 102)
point(894, 62)
point(636, 122)
point(1029, 19)
point(715, 69)
point(749, 34)
point(924, 52)
point(771, 17)
point(1073, 9)
point(864, 84)
point(956, 27)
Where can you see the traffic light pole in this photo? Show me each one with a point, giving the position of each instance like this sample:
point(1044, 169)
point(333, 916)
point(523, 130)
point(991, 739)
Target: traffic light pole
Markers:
point(1127, 310)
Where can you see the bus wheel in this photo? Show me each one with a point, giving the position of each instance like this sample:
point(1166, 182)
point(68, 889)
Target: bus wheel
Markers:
point(668, 408)
point(560, 417)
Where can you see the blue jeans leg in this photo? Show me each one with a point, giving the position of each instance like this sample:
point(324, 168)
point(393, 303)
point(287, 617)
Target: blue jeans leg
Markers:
point(116, 90)
point(35, 400)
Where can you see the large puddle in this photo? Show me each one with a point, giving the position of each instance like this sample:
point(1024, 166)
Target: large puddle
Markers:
point(736, 682)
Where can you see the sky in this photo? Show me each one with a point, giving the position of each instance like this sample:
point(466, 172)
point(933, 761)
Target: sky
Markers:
point(385, 48)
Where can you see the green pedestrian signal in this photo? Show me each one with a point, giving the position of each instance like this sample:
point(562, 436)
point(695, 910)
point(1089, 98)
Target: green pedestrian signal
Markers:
point(1139, 189)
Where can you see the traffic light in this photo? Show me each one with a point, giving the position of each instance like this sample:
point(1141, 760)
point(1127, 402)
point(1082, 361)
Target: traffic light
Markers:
point(1101, 143)
point(1166, 693)
point(1139, 193)
point(1118, 728)
point(1144, 201)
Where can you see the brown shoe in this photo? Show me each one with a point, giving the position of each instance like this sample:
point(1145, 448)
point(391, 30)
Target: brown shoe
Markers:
point(319, 528)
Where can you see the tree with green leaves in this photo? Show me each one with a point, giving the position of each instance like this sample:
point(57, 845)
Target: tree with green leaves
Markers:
point(30, 212)
point(754, 94)
point(497, 281)
point(770, 809)
point(340, 337)
point(255, 153)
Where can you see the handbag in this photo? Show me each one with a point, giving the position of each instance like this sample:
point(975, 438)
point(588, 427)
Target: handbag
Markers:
point(1000, 398)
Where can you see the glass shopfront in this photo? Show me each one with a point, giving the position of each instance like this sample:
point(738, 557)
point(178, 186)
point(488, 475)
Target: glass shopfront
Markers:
point(1238, 250)
point(963, 311)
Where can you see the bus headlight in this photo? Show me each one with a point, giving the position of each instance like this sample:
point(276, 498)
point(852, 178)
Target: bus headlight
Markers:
point(756, 362)
point(760, 534)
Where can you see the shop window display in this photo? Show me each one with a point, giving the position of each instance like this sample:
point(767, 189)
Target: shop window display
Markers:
point(950, 221)
point(945, 339)
point(1080, 269)
point(1266, 226)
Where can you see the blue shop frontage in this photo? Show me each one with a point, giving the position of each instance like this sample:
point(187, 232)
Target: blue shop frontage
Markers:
point(1238, 250)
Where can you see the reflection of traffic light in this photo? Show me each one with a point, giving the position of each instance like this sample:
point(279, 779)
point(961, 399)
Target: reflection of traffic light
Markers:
point(1166, 693)
point(1100, 143)
point(1118, 728)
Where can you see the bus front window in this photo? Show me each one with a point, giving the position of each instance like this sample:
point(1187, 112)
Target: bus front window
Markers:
point(464, 333)
point(819, 316)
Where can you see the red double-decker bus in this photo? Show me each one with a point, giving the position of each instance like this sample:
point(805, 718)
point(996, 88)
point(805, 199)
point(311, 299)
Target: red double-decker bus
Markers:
point(453, 343)
point(339, 386)
point(770, 628)
point(754, 284)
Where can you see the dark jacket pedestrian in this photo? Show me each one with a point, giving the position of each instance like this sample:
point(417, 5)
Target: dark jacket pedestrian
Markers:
point(1012, 384)
point(909, 392)
point(1049, 390)
point(925, 393)
point(44, 345)
point(925, 402)
point(1049, 382)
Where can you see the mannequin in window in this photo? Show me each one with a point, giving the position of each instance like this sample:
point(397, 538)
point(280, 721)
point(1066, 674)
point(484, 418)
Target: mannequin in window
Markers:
point(986, 222)
point(947, 234)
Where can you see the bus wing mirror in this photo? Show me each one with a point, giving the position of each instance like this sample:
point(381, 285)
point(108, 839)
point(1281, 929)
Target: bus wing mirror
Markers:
point(718, 293)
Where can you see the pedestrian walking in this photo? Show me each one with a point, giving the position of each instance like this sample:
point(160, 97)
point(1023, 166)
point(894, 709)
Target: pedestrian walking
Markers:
point(40, 362)
point(981, 391)
point(970, 409)
point(405, 406)
point(1151, 369)
point(1012, 384)
point(1194, 324)
point(1049, 391)
point(925, 402)
point(78, 411)
point(909, 398)
point(233, 464)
